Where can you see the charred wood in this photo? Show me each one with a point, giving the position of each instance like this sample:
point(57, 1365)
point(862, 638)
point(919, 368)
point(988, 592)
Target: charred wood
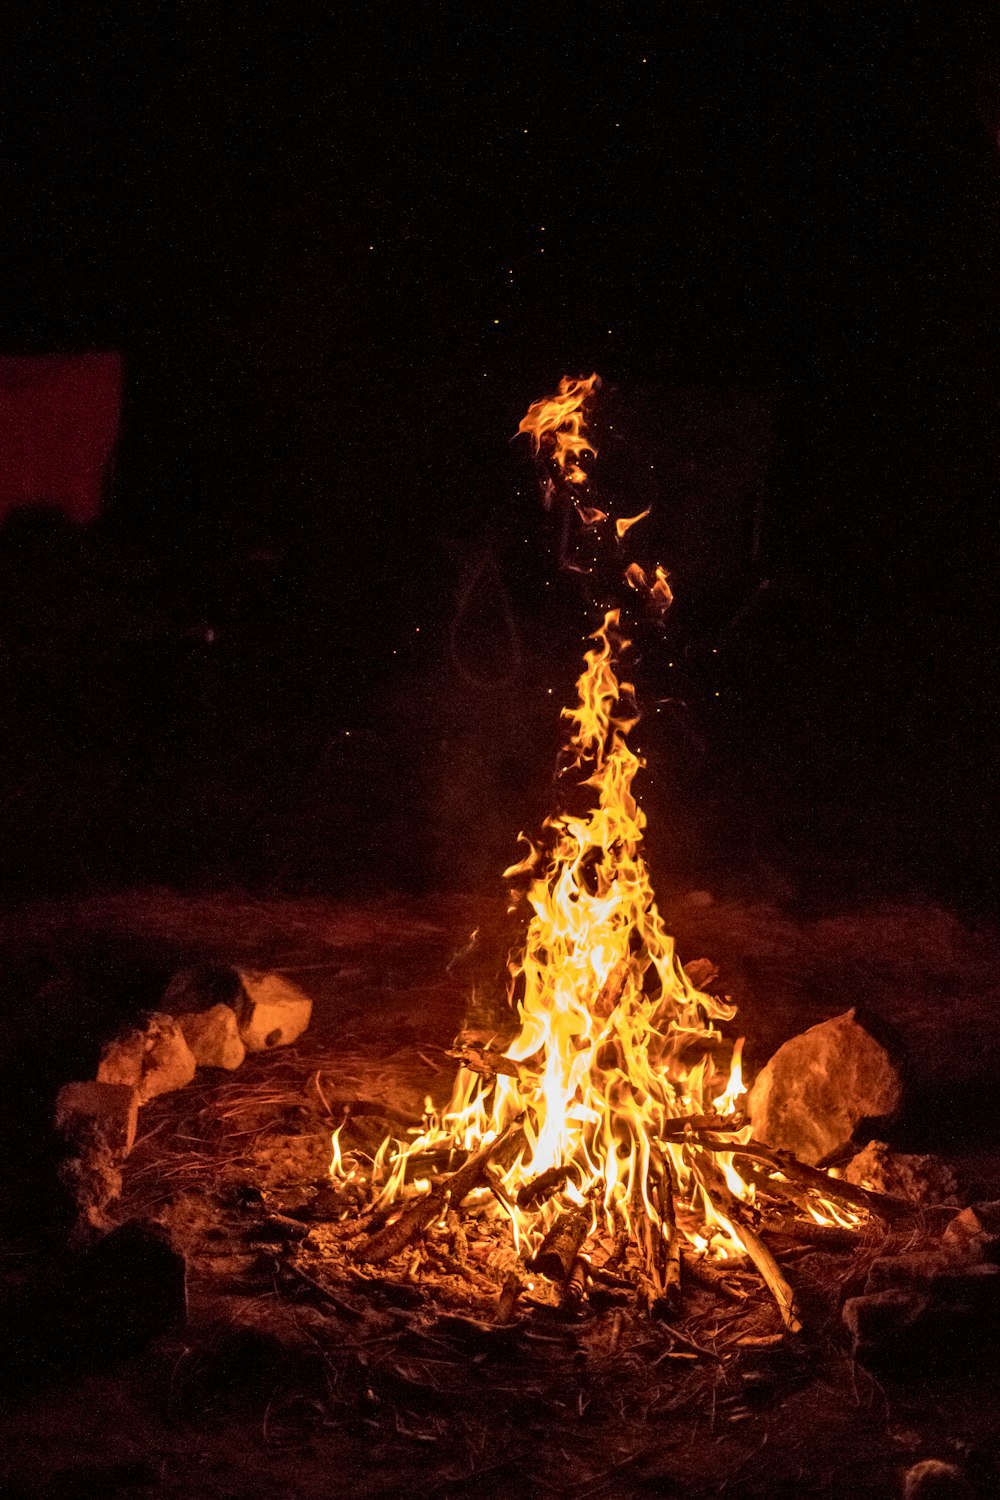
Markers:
point(394, 1237)
point(535, 1192)
point(558, 1251)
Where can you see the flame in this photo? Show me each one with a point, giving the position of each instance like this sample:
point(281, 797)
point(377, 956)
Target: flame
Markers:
point(557, 426)
point(619, 1064)
point(654, 584)
point(625, 523)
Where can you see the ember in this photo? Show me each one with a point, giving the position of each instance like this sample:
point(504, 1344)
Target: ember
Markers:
point(612, 1132)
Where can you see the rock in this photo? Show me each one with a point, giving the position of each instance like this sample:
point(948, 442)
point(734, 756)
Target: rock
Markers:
point(919, 1179)
point(819, 1086)
point(131, 1287)
point(922, 1306)
point(906, 1271)
point(153, 1058)
point(701, 972)
point(93, 1305)
point(933, 1480)
point(90, 1115)
point(214, 1037)
point(972, 1234)
point(879, 1322)
point(198, 989)
point(93, 1183)
point(121, 1059)
point(274, 1012)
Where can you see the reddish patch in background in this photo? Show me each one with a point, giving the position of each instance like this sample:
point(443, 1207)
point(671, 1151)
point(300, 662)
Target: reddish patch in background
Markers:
point(59, 421)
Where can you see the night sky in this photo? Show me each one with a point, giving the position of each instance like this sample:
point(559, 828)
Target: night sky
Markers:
point(342, 250)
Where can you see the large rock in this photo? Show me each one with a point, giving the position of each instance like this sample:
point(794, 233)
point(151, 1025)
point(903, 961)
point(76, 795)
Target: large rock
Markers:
point(271, 1011)
point(214, 1037)
point(130, 1288)
point(93, 1183)
point(274, 1012)
point(202, 988)
point(932, 1479)
point(919, 1179)
point(98, 1115)
point(820, 1085)
point(153, 1058)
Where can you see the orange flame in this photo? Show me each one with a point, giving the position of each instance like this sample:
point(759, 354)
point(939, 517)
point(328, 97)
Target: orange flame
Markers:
point(619, 1057)
point(557, 426)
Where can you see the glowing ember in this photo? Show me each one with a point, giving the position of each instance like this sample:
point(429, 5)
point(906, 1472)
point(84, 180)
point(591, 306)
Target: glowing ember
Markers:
point(615, 1117)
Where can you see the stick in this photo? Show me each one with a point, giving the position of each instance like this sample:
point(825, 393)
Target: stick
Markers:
point(712, 1280)
point(576, 1281)
point(496, 1187)
point(612, 988)
point(892, 1210)
point(507, 1302)
point(672, 1266)
point(768, 1268)
point(732, 1216)
point(883, 1205)
point(397, 1235)
point(824, 1236)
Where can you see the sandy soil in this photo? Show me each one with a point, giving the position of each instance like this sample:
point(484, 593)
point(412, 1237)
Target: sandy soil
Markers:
point(235, 1407)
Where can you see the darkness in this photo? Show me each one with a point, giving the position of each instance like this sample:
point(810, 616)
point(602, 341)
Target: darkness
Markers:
point(341, 253)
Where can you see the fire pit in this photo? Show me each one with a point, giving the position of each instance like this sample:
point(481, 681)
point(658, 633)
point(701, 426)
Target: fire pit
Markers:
point(611, 1134)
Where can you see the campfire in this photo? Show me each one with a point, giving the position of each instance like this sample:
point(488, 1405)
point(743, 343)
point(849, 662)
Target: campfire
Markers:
point(611, 1135)
point(597, 1228)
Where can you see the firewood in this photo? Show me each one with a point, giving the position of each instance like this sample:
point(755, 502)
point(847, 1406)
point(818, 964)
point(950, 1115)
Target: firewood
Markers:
point(485, 1061)
point(833, 1237)
point(704, 1275)
point(672, 1260)
point(452, 1190)
point(770, 1273)
point(576, 1281)
point(496, 1187)
point(884, 1205)
point(507, 1302)
point(558, 1251)
point(603, 1277)
point(535, 1192)
point(612, 988)
point(732, 1214)
point(892, 1210)
point(395, 1237)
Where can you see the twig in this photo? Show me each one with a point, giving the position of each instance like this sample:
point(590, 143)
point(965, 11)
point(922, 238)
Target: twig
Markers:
point(771, 1275)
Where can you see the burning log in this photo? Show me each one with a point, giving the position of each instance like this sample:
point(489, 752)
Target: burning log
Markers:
point(668, 1215)
point(558, 1251)
point(771, 1275)
point(832, 1237)
point(486, 1061)
point(576, 1282)
point(395, 1237)
point(452, 1191)
point(733, 1217)
point(883, 1205)
point(532, 1194)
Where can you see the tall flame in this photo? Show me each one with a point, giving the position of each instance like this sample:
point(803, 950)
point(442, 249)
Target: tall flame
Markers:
point(619, 1056)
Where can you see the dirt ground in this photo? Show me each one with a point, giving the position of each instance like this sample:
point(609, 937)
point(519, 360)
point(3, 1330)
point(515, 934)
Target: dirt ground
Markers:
point(249, 1400)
